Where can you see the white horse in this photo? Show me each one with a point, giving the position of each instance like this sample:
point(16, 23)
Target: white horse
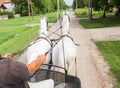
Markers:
point(41, 45)
point(64, 53)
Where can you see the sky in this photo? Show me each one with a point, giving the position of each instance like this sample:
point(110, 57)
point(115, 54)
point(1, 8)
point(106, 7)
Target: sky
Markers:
point(69, 2)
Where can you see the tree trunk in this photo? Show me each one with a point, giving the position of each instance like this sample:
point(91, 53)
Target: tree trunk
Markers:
point(90, 10)
point(76, 4)
point(29, 10)
point(105, 8)
point(104, 12)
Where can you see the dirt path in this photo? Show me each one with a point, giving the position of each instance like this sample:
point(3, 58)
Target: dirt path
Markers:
point(110, 33)
point(93, 71)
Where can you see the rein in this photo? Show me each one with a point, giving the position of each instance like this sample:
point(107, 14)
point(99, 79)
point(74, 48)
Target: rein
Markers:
point(55, 31)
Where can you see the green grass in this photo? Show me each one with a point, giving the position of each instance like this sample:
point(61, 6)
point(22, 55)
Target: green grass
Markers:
point(98, 21)
point(20, 41)
point(83, 13)
point(80, 13)
point(10, 32)
point(101, 22)
point(14, 36)
point(52, 17)
point(111, 52)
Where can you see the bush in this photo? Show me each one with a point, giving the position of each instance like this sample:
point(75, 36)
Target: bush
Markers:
point(10, 14)
point(81, 12)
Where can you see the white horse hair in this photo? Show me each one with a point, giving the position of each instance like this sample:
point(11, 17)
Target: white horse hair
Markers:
point(65, 49)
point(42, 45)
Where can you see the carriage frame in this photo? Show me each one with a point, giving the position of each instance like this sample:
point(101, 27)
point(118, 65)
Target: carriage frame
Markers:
point(69, 81)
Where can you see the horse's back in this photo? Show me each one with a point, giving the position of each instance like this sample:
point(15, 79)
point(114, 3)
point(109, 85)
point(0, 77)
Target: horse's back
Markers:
point(64, 49)
point(39, 48)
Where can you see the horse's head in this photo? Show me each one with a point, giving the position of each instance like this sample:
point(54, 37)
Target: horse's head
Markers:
point(65, 24)
point(43, 26)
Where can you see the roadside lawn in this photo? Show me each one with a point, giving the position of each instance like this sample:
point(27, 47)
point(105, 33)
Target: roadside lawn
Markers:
point(110, 21)
point(15, 36)
point(111, 52)
point(98, 21)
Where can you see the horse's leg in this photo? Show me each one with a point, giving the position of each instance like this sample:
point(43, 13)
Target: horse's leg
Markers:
point(75, 66)
point(71, 66)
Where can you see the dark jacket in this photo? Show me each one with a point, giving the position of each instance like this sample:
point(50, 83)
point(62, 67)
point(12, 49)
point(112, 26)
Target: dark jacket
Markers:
point(13, 74)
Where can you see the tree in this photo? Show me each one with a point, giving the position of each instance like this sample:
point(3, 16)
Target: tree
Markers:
point(104, 5)
point(21, 7)
point(38, 6)
point(79, 3)
point(89, 9)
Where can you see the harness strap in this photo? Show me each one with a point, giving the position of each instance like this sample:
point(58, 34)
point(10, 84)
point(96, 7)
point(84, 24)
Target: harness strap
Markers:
point(45, 39)
point(68, 37)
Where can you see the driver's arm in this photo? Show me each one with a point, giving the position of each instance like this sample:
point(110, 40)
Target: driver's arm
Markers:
point(33, 66)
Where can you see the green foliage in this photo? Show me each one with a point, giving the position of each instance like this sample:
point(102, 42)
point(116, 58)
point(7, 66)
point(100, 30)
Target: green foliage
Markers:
point(52, 17)
point(84, 13)
point(111, 52)
point(98, 21)
point(115, 3)
point(81, 12)
point(38, 6)
point(80, 3)
point(10, 14)
point(98, 5)
point(21, 6)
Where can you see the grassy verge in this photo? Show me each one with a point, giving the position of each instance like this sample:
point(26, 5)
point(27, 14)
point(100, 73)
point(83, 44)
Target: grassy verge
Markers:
point(101, 22)
point(14, 36)
point(98, 21)
point(19, 41)
point(111, 52)
point(83, 13)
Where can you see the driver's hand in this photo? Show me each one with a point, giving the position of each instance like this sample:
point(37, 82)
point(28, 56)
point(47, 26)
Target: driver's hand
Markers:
point(8, 55)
